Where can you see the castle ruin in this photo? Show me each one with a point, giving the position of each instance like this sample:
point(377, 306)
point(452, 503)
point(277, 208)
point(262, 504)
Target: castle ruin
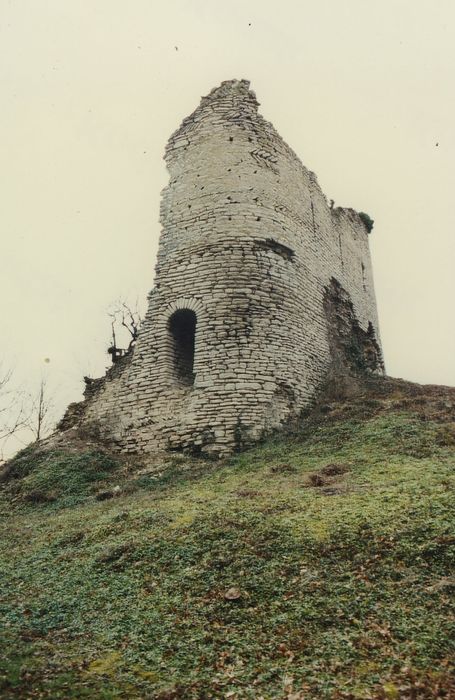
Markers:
point(263, 291)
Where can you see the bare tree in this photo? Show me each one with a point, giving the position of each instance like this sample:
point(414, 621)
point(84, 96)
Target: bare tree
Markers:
point(123, 315)
point(40, 414)
point(13, 410)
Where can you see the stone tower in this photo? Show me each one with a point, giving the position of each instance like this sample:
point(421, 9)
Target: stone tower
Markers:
point(262, 291)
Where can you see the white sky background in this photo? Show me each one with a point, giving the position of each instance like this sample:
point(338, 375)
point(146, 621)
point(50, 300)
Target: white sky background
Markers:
point(90, 91)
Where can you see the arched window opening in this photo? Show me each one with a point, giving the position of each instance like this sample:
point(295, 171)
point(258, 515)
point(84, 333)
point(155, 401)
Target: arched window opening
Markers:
point(182, 326)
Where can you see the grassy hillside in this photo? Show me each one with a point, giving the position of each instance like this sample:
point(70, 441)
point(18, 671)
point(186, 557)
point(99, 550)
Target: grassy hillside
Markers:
point(317, 565)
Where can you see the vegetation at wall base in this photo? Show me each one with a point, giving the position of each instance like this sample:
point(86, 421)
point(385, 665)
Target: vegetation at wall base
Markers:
point(318, 564)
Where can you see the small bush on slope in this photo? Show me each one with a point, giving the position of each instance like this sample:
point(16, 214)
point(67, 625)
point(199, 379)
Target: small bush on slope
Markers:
point(342, 582)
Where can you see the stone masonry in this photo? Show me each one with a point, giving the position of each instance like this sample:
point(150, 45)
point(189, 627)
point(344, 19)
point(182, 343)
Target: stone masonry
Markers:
point(262, 292)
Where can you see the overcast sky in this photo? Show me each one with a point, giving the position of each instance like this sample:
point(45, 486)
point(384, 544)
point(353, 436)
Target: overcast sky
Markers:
point(90, 91)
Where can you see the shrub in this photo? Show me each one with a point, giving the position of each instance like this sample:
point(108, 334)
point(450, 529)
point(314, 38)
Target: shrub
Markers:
point(367, 221)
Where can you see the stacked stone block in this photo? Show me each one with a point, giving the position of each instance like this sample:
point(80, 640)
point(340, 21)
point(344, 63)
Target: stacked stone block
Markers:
point(236, 338)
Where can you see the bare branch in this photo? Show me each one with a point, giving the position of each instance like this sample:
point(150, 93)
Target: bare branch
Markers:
point(5, 378)
point(123, 315)
point(39, 420)
point(14, 411)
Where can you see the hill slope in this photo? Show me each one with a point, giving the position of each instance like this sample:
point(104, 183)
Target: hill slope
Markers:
point(316, 565)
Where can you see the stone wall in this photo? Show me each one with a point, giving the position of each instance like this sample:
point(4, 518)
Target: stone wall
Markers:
point(248, 254)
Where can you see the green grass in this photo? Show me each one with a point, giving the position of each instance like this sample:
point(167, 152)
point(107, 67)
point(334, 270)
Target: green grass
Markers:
point(344, 579)
point(57, 475)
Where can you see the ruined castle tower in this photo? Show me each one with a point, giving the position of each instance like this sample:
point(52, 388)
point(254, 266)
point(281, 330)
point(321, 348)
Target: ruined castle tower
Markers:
point(262, 291)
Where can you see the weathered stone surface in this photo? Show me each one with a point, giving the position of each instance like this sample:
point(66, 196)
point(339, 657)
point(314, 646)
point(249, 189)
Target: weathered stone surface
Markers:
point(256, 278)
